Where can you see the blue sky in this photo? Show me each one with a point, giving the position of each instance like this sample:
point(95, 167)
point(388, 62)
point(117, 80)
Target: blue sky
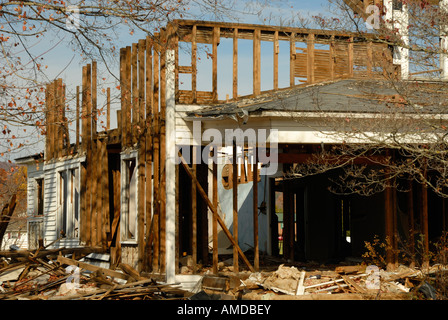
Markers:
point(63, 62)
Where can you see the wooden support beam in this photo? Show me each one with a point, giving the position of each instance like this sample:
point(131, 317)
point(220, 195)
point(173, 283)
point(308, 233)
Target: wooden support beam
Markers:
point(156, 160)
point(162, 153)
point(89, 162)
point(310, 57)
point(58, 120)
point(141, 83)
point(257, 62)
point(50, 137)
point(215, 205)
point(94, 100)
point(216, 36)
point(141, 172)
point(235, 63)
point(108, 109)
point(204, 196)
point(127, 112)
point(105, 194)
point(350, 57)
point(77, 119)
point(83, 212)
point(255, 210)
point(292, 58)
point(123, 84)
point(235, 205)
point(194, 69)
point(149, 155)
point(97, 192)
point(332, 59)
point(276, 53)
point(135, 107)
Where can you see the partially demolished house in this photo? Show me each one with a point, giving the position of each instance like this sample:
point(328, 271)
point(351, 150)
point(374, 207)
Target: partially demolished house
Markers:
point(189, 173)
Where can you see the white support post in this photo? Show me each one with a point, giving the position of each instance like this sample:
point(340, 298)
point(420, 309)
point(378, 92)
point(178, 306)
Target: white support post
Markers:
point(399, 20)
point(170, 169)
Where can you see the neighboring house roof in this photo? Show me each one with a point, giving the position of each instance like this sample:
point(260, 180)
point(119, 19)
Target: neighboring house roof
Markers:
point(354, 96)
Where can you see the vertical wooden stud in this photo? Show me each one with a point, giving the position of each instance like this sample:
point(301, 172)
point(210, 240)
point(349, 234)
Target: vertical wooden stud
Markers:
point(255, 210)
point(257, 62)
point(235, 63)
point(235, 205)
point(276, 53)
point(193, 64)
point(216, 36)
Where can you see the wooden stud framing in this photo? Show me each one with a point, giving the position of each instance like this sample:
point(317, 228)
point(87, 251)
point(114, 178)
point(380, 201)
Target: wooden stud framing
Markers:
point(235, 63)
point(162, 148)
point(156, 159)
point(215, 205)
point(292, 58)
point(141, 82)
point(135, 108)
point(77, 120)
point(215, 64)
point(204, 196)
point(94, 100)
point(83, 213)
point(108, 109)
point(255, 210)
point(235, 205)
point(127, 112)
point(276, 53)
point(257, 62)
point(350, 57)
point(310, 55)
point(105, 193)
point(148, 150)
point(87, 139)
point(193, 65)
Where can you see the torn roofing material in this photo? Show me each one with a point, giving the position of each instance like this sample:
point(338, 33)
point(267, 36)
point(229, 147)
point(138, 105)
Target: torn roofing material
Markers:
point(354, 96)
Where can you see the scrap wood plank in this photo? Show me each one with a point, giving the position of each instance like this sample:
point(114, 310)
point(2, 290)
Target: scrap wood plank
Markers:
point(83, 265)
point(353, 284)
point(300, 287)
point(215, 213)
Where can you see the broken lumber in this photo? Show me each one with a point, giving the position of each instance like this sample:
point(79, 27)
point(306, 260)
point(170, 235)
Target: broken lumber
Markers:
point(86, 266)
point(349, 269)
point(131, 272)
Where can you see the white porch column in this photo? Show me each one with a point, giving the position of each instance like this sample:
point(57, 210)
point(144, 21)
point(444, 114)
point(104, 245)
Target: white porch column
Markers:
point(399, 19)
point(170, 169)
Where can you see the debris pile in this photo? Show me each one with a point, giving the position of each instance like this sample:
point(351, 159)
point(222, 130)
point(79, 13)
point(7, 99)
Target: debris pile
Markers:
point(64, 274)
point(49, 275)
point(344, 282)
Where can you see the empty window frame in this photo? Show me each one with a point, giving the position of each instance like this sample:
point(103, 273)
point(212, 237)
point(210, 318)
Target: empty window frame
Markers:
point(68, 202)
point(129, 200)
point(39, 197)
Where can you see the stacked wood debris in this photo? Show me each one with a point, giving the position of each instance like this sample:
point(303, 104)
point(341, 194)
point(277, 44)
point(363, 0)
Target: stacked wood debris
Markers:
point(344, 282)
point(49, 275)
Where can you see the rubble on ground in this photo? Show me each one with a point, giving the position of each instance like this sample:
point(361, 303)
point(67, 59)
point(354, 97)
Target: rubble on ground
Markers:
point(58, 275)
